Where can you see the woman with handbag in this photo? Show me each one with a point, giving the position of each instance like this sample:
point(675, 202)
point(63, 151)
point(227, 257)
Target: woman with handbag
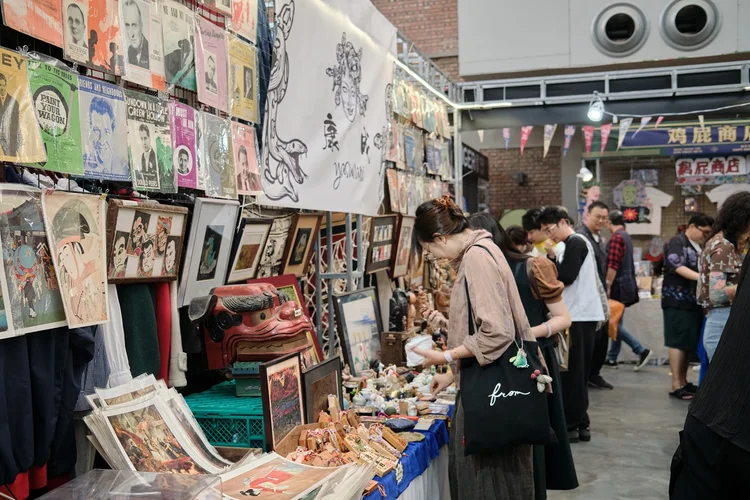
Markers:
point(501, 408)
point(541, 295)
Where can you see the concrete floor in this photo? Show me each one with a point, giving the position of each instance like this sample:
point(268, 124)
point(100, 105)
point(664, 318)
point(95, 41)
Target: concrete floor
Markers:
point(634, 433)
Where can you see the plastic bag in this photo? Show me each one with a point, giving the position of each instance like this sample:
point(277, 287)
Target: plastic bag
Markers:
point(420, 342)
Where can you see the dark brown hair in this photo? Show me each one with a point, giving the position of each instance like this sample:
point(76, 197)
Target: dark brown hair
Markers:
point(439, 216)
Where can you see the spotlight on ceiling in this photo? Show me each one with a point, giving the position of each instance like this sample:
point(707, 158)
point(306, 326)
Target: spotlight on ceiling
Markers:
point(585, 174)
point(596, 108)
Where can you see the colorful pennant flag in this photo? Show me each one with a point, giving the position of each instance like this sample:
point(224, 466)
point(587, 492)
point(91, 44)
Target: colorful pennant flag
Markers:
point(644, 121)
point(570, 131)
point(605, 130)
point(481, 135)
point(549, 131)
point(525, 133)
point(588, 137)
point(658, 121)
point(700, 119)
point(506, 136)
point(624, 126)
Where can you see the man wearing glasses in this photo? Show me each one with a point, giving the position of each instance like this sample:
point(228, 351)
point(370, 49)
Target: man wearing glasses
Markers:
point(683, 317)
point(591, 229)
point(584, 297)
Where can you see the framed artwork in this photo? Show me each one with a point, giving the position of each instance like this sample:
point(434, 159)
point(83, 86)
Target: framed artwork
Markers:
point(359, 325)
point(300, 244)
point(402, 255)
point(382, 239)
point(281, 388)
point(290, 286)
point(319, 382)
point(247, 249)
point(144, 241)
point(76, 232)
point(208, 248)
point(393, 194)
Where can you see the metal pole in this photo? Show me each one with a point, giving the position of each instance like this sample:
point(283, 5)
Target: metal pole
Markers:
point(329, 282)
point(361, 259)
point(318, 292)
point(458, 157)
point(349, 256)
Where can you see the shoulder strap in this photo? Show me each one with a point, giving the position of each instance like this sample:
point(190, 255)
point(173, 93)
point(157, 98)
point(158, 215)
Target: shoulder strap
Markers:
point(532, 280)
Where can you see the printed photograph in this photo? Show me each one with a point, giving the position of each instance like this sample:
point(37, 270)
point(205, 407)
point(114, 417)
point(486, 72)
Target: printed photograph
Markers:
point(210, 253)
point(120, 255)
point(147, 258)
point(209, 79)
point(183, 160)
point(178, 26)
point(105, 154)
point(147, 166)
point(75, 21)
point(248, 83)
point(138, 233)
point(300, 245)
point(170, 256)
point(135, 20)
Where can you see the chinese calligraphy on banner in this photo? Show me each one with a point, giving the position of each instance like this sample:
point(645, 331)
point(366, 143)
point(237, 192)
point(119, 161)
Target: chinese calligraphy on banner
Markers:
point(326, 71)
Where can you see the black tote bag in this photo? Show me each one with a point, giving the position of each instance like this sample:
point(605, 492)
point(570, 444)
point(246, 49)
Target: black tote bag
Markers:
point(501, 403)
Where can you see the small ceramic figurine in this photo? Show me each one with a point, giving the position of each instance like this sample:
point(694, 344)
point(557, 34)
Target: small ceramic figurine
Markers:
point(412, 316)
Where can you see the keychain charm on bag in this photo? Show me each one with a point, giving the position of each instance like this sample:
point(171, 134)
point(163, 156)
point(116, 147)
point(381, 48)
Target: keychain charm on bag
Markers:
point(519, 360)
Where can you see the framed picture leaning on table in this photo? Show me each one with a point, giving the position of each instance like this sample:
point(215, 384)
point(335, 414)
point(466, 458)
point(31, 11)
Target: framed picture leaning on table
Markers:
point(359, 325)
point(283, 407)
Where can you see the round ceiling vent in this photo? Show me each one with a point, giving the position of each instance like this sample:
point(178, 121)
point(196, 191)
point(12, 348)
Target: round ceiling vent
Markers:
point(619, 30)
point(690, 24)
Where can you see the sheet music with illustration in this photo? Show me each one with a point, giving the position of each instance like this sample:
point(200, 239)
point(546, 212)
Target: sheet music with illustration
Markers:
point(178, 25)
point(211, 63)
point(140, 23)
point(92, 35)
point(243, 80)
point(182, 119)
point(150, 143)
point(41, 19)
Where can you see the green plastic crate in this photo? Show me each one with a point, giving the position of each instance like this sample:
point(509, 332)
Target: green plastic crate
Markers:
point(228, 420)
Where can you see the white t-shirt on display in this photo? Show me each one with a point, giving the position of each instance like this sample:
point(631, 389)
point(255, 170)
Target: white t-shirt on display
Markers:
point(720, 194)
point(658, 200)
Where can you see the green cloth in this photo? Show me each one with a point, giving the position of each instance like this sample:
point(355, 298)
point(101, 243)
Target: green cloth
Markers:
point(139, 324)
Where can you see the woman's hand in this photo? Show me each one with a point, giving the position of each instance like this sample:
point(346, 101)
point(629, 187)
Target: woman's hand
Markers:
point(436, 320)
point(440, 383)
point(431, 357)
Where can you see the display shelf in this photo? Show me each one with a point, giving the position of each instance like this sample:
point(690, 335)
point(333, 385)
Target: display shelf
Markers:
point(228, 420)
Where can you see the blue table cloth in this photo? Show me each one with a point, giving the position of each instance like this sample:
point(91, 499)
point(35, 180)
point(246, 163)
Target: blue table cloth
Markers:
point(417, 457)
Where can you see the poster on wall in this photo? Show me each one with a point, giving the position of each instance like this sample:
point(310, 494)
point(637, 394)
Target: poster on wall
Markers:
point(211, 62)
point(20, 139)
point(142, 42)
point(333, 166)
point(243, 80)
point(221, 6)
point(215, 140)
point(32, 299)
point(54, 93)
point(182, 120)
point(178, 25)
point(92, 34)
point(40, 19)
point(76, 231)
point(244, 20)
point(149, 143)
point(245, 149)
point(103, 122)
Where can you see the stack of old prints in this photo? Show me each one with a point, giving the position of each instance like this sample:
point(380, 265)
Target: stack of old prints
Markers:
point(143, 426)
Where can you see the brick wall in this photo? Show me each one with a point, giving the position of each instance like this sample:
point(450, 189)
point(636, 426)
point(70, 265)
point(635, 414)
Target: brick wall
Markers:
point(543, 184)
point(432, 25)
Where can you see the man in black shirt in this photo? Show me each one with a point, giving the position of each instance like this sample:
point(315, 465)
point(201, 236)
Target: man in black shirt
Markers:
point(597, 218)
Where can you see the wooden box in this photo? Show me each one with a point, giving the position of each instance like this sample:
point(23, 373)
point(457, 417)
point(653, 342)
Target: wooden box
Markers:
point(392, 348)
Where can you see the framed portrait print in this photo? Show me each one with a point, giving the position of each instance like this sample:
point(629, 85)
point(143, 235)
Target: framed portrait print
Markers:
point(247, 249)
point(382, 239)
point(300, 244)
point(402, 255)
point(281, 388)
point(359, 324)
point(208, 248)
point(144, 241)
point(319, 382)
point(290, 286)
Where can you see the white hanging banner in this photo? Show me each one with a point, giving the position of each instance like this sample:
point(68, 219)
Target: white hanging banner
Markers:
point(327, 111)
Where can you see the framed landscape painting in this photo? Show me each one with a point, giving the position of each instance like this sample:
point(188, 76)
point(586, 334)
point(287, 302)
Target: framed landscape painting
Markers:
point(247, 249)
point(359, 325)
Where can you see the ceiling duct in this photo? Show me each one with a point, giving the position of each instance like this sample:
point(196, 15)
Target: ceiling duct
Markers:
point(690, 24)
point(620, 30)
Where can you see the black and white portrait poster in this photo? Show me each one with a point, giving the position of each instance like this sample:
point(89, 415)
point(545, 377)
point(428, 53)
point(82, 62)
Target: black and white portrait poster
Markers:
point(140, 28)
point(328, 72)
point(178, 24)
point(103, 127)
point(149, 143)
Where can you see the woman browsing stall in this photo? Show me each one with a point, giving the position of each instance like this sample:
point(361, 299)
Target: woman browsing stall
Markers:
point(442, 230)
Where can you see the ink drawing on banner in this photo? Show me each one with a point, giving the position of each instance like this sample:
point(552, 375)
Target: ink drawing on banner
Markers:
point(244, 20)
point(182, 118)
point(211, 62)
point(246, 159)
point(41, 19)
point(20, 139)
point(149, 143)
point(76, 232)
point(178, 24)
point(242, 80)
point(103, 122)
point(92, 34)
point(335, 165)
point(55, 97)
point(32, 299)
point(141, 32)
point(217, 159)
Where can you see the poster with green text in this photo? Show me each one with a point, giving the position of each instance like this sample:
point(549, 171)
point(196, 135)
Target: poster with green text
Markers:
point(54, 93)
